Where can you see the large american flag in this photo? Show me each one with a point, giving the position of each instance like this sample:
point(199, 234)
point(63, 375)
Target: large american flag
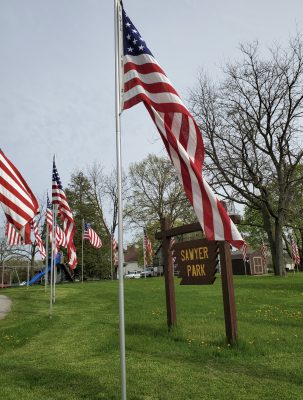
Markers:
point(90, 235)
point(59, 200)
point(13, 237)
point(145, 81)
point(60, 235)
point(18, 201)
point(38, 239)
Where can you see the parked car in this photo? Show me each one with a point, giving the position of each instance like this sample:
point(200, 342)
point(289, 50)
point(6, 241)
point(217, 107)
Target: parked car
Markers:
point(133, 275)
point(148, 272)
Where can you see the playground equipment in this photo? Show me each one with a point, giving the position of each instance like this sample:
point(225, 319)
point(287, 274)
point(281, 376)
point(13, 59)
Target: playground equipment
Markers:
point(12, 270)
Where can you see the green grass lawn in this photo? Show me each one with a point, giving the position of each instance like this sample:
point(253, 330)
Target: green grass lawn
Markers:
point(76, 354)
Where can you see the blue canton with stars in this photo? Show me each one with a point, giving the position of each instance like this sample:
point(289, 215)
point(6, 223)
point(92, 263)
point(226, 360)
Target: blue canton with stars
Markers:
point(48, 203)
point(87, 226)
point(56, 177)
point(133, 43)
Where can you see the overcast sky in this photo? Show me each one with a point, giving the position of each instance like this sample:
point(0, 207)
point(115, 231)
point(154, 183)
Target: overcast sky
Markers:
point(57, 72)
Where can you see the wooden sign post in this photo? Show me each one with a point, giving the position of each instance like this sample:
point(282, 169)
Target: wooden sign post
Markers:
point(168, 276)
point(197, 261)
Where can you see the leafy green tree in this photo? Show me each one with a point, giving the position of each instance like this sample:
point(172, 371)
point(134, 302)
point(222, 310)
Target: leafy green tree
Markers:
point(84, 206)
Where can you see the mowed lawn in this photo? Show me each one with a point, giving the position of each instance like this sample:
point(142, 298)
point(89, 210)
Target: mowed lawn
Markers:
point(76, 354)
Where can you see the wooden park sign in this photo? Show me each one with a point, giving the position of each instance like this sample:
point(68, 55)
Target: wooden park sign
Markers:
point(196, 261)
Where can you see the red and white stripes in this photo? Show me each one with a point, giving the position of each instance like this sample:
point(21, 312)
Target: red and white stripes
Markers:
point(145, 81)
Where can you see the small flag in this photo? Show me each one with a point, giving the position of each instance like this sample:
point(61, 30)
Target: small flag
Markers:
point(295, 252)
point(172, 242)
point(38, 239)
point(264, 253)
point(60, 202)
point(147, 246)
point(60, 235)
point(91, 235)
point(244, 251)
point(115, 256)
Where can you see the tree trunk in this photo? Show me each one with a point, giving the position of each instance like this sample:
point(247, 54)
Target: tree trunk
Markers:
point(279, 262)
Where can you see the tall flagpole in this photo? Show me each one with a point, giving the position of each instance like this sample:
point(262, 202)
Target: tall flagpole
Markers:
point(46, 257)
point(118, 44)
point(27, 283)
point(53, 244)
point(55, 254)
point(144, 253)
point(82, 249)
point(111, 255)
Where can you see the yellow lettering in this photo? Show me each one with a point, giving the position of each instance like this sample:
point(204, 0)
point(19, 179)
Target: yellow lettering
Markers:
point(200, 253)
point(203, 270)
point(196, 250)
point(191, 254)
point(182, 255)
point(188, 267)
point(198, 270)
point(205, 252)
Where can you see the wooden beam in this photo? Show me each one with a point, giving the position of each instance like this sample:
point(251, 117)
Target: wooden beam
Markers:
point(228, 293)
point(168, 274)
point(179, 230)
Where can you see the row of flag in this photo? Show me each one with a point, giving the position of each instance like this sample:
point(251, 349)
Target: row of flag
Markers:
point(264, 252)
point(19, 204)
point(21, 208)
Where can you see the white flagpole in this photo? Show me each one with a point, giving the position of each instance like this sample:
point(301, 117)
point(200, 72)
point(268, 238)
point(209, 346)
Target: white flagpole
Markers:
point(2, 273)
point(144, 255)
point(55, 254)
point(46, 257)
point(111, 256)
point(27, 284)
point(82, 249)
point(53, 245)
point(118, 52)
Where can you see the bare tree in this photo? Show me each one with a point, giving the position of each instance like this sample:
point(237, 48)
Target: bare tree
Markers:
point(252, 122)
point(156, 192)
point(105, 192)
point(97, 180)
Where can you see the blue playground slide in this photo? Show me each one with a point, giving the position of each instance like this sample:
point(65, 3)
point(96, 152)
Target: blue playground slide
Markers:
point(38, 276)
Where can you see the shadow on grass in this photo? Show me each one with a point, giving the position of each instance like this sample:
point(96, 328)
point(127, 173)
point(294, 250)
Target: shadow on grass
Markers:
point(56, 383)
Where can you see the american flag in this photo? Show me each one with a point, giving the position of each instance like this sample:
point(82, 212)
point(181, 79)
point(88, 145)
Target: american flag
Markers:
point(38, 239)
point(144, 80)
point(148, 250)
point(60, 235)
point(244, 251)
point(264, 253)
point(91, 235)
point(295, 252)
point(13, 237)
point(115, 257)
point(172, 242)
point(18, 201)
point(60, 202)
